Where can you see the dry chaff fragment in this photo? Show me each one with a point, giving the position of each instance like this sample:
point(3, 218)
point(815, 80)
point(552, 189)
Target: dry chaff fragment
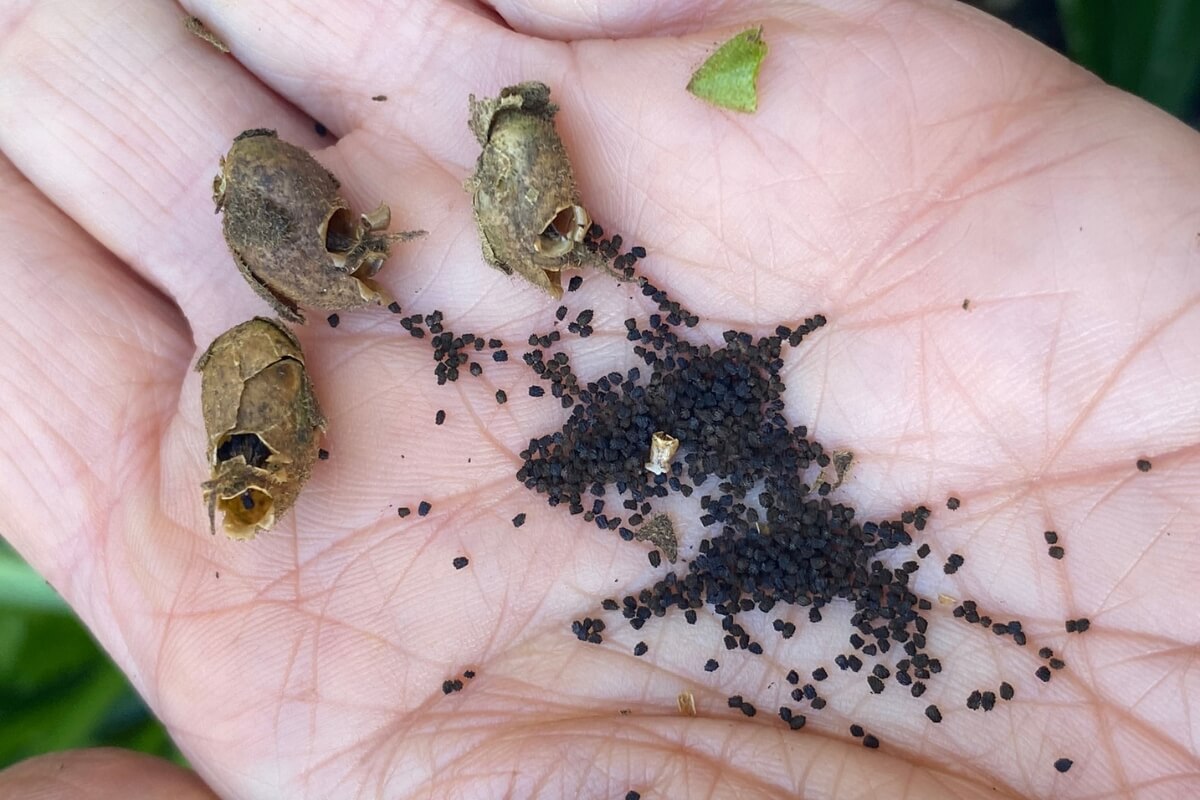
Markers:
point(687, 703)
point(200, 30)
point(660, 532)
point(262, 422)
point(294, 238)
point(662, 450)
point(527, 205)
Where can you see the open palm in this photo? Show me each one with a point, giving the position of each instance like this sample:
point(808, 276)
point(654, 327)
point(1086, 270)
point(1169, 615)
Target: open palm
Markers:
point(1008, 256)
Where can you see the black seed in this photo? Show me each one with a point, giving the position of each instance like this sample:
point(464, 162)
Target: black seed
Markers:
point(609, 604)
point(536, 391)
point(735, 701)
point(917, 689)
point(933, 713)
point(974, 700)
point(1078, 625)
point(1144, 466)
point(989, 701)
point(333, 320)
point(1056, 552)
point(871, 742)
point(1006, 691)
point(655, 558)
point(321, 130)
point(574, 283)
point(952, 564)
point(1045, 652)
point(793, 677)
point(501, 397)
point(461, 562)
point(518, 520)
point(818, 703)
point(1043, 674)
point(475, 369)
point(856, 731)
point(749, 710)
point(403, 511)
point(819, 674)
point(923, 550)
point(469, 674)
point(1063, 764)
point(711, 665)
point(323, 454)
point(500, 355)
point(394, 307)
point(631, 794)
point(439, 417)
point(640, 649)
point(796, 722)
point(1051, 537)
point(952, 503)
point(875, 684)
point(423, 508)
point(1057, 663)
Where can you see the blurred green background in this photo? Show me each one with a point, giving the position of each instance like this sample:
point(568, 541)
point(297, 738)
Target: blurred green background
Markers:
point(58, 690)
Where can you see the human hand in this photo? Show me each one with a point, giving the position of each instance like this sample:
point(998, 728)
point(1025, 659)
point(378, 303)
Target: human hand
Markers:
point(904, 158)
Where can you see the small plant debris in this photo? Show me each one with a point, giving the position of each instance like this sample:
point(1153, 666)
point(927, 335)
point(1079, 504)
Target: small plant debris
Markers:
point(380, 98)
point(262, 422)
point(200, 30)
point(660, 532)
point(686, 701)
point(729, 77)
point(294, 238)
point(662, 449)
point(527, 206)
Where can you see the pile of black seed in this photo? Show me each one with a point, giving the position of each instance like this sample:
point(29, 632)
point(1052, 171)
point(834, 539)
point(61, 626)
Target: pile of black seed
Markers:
point(773, 538)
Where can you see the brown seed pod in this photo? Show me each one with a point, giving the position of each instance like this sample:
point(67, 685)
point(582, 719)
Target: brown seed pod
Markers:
point(527, 206)
point(294, 238)
point(262, 422)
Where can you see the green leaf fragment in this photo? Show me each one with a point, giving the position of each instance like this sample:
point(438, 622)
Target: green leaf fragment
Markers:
point(729, 77)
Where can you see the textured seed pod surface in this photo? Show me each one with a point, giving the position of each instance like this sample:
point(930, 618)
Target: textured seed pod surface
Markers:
point(527, 206)
point(262, 423)
point(294, 237)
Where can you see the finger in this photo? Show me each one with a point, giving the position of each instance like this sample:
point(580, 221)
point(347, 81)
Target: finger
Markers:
point(90, 363)
point(595, 19)
point(119, 116)
point(101, 774)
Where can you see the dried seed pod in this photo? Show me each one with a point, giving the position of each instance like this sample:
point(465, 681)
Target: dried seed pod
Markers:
point(527, 206)
point(262, 422)
point(294, 238)
point(662, 450)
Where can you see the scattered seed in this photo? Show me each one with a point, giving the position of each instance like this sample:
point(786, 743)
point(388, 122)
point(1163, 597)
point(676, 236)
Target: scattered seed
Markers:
point(870, 741)
point(640, 649)
point(440, 417)
point(379, 98)
point(1063, 764)
point(1043, 674)
point(461, 562)
point(323, 454)
point(1144, 466)
point(933, 713)
point(423, 508)
point(403, 511)
point(518, 520)
point(1006, 691)
point(501, 397)
point(1056, 552)
point(334, 320)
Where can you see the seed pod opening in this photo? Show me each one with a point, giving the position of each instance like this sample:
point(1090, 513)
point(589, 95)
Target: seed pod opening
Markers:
point(527, 205)
point(262, 422)
point(295, 239)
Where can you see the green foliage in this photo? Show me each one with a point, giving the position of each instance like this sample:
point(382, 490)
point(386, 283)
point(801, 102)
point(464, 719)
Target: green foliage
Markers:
point(58, 690)
point(1148, 47)
point(729, 77)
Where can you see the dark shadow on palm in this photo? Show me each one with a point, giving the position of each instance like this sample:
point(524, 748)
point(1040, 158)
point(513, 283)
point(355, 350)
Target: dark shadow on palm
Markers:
point(880, 190)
